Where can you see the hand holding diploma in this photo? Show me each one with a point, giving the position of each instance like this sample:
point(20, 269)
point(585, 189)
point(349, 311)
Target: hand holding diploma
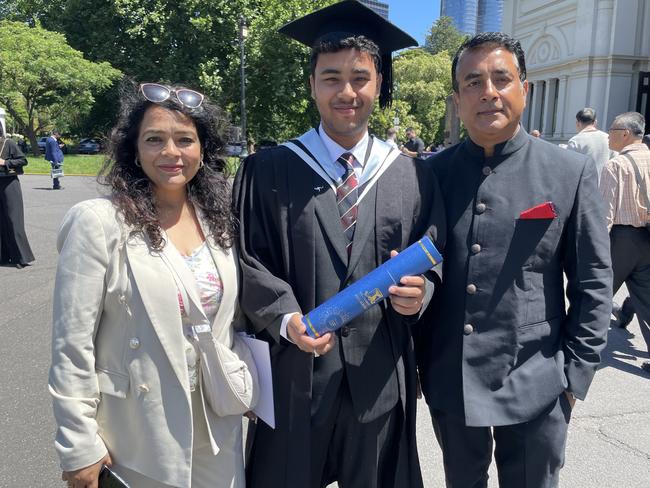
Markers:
point(407, 299)
point(298, 335)
point(397, 278)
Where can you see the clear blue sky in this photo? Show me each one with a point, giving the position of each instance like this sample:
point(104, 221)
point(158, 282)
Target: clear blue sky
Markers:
point(414, 16)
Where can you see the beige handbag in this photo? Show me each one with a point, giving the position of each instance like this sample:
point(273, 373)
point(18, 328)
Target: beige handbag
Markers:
point(229, 376)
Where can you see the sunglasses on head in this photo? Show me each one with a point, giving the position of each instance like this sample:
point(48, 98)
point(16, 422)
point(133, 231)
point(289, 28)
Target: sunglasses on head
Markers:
point(159, 93)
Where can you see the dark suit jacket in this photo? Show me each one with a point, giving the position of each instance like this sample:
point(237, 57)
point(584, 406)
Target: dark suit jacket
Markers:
point(293, 258)
point(53, 152)
point(500, 343)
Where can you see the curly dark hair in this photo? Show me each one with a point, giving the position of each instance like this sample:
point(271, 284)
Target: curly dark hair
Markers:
point(132, 191)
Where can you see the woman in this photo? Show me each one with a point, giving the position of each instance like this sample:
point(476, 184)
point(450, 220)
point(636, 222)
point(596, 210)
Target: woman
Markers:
point(14, 247)
point(133, 270)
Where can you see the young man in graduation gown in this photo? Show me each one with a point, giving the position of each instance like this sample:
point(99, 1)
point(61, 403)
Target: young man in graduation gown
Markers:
point(317, 213)
point(506, 360)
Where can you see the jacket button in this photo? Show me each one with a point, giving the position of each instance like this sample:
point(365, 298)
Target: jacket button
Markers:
point(487, 170)
point(480, 208)
point(476, 248)
point(143, 388)
point(345, 331)
point(468, 329)
point(134, 343)
point(471, 288)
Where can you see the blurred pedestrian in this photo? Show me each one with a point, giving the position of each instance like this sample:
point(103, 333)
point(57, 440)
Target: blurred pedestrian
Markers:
point(589, 140)
point(54, 155)
point(391, 137)
point(535, 133)
point(505, 360)
point(624, 185)
point(138, 272)
point(14, 246)
point(22, 144)
point(414, 147)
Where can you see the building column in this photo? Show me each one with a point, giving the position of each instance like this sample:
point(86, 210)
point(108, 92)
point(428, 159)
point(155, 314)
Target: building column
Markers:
point(549, 100)
point(534, 106)
point(561, 107)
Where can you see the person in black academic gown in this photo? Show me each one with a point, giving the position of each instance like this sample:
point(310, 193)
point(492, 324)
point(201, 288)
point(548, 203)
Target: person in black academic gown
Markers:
point(14, 246)
point(344, 403)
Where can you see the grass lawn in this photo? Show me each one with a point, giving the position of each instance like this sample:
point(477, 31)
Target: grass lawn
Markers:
point(85, 164)
point(73, 164)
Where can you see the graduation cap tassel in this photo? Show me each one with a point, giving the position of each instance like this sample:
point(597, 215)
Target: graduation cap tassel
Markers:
point(386, 89)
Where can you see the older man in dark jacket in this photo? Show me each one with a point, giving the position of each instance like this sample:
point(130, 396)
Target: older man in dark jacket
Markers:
point(502, 358)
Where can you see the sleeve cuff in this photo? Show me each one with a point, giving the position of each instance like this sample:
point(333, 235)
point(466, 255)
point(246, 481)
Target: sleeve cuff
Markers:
point(283, 326)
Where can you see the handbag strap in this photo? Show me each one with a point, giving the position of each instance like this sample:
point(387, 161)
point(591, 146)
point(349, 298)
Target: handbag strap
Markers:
point(4, 141)
point(640, 181)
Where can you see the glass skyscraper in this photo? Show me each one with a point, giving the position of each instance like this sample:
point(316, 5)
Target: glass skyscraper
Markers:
point(474, 16)
point(490, 16)
point(463, 12)
point(380, 7)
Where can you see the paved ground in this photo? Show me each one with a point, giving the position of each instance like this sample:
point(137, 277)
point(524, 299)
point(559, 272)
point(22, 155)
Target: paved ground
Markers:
point(609, 439)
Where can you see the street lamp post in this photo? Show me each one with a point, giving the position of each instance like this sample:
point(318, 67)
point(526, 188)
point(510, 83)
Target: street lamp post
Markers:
point(243, 32)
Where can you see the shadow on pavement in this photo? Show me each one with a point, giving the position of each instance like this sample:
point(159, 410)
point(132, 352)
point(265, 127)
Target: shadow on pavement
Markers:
point(620, 351)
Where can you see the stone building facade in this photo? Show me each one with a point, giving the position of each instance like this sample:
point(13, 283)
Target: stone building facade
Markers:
point(582, 53)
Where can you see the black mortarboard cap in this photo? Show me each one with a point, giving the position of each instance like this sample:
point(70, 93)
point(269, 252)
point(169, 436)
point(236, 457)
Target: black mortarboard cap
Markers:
point(347, 19)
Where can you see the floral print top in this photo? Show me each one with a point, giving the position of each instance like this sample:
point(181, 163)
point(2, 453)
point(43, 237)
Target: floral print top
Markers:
point(210, 289)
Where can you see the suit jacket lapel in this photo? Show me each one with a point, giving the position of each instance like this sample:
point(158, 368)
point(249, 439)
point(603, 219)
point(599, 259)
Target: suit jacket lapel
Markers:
point(327, 212)
point(363, 229)
point(179, 269)
point(160, 299)
point(225, 263)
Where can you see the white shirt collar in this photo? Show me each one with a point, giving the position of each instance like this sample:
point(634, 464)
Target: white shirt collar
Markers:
point(335, 150)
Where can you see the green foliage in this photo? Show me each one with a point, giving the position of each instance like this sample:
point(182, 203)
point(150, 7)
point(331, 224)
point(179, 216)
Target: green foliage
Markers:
point(423, 82)
point(397, 115)
point(42, 78)
point(444, 36)
point(195, 43)
point(278, 72)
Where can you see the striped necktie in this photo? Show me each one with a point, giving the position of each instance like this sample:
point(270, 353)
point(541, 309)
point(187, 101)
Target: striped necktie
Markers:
point(346, 197)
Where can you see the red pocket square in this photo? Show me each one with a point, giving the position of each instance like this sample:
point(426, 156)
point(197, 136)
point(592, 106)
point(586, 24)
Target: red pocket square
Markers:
point(544, 210)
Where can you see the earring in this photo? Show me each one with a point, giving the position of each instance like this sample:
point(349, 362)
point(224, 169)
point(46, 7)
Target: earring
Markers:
point(137, 162)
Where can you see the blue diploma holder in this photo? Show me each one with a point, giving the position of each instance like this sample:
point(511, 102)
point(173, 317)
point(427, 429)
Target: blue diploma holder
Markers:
point(370, 290)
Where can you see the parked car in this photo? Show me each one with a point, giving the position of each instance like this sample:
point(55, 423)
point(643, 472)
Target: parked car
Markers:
point(89, 146)
point(233, 148)
point(266, 143)
point(41, 145)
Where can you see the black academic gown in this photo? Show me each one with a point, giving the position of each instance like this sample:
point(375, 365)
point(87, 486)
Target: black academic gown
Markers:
point(14, 246)
point(293, 258)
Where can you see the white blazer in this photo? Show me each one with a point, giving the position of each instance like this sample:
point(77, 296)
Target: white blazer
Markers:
point(119, 378)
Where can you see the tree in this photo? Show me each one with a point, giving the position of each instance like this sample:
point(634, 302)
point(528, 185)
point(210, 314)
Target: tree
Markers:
point(194, 43)
point(444, 36)
point(42, 77)
point(397, 115)
point(423, 81)
point(278, 71)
